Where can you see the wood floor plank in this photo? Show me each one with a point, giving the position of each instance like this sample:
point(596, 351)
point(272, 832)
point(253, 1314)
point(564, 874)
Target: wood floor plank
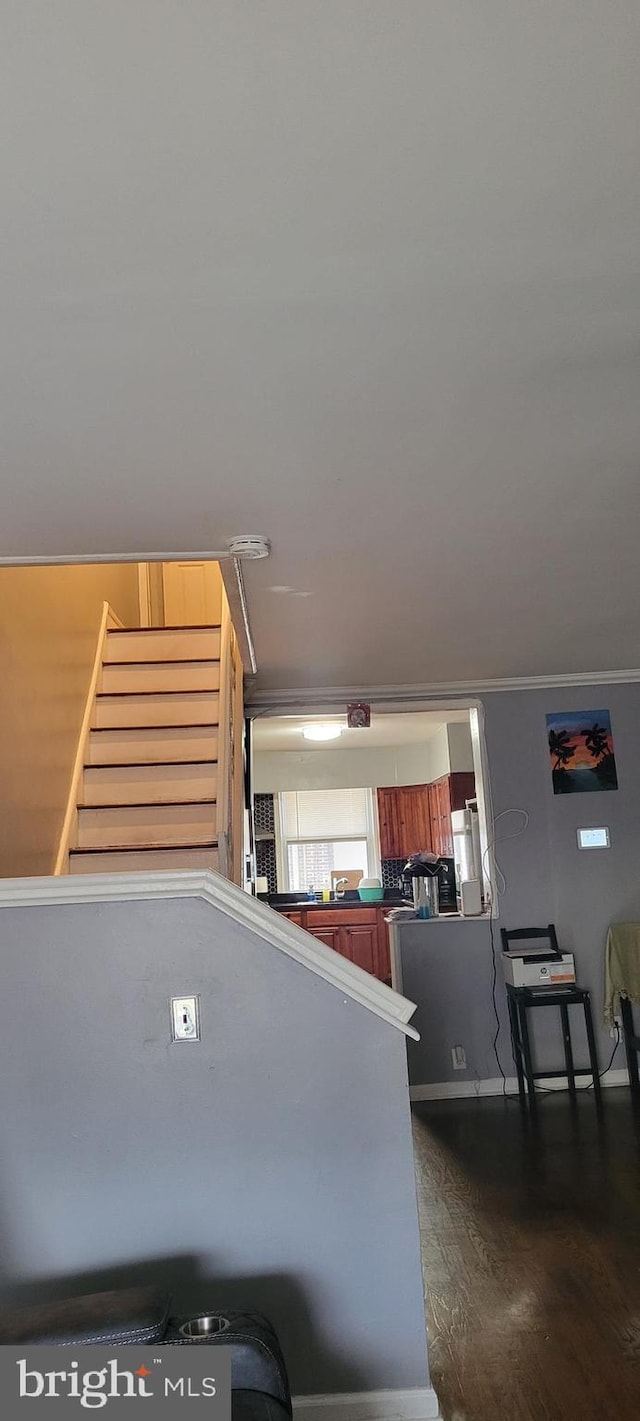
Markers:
point(530, 1241)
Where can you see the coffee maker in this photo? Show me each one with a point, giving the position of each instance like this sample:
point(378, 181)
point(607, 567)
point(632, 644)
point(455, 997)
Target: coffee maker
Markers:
point(442, 894)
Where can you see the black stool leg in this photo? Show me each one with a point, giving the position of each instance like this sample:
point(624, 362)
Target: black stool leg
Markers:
point(593, 1058)
point(526, 1052)
point(568, 1050)
point(516, 1048)
point(626, 1013)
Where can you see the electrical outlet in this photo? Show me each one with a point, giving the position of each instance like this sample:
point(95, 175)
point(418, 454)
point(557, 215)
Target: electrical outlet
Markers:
point(185, 1019)
point(459, 1059)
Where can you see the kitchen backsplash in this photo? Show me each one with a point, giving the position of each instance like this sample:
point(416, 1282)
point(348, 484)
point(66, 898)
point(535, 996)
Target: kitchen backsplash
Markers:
point(391, 871)
point(264, 823)
point(266, 864)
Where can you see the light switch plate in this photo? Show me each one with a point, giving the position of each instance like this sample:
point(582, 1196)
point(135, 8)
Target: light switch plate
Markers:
point(185, 1019)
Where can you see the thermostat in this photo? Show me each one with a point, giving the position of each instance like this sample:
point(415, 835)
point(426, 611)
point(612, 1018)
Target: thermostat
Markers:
point(593, 839)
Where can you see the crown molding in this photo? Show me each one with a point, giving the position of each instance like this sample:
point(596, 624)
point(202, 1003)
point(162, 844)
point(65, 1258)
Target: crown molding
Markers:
point(307, 696)
point(73, 559)
point(274, 929)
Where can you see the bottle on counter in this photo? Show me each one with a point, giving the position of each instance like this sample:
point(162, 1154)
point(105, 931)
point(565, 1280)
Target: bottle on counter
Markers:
point(311, 894)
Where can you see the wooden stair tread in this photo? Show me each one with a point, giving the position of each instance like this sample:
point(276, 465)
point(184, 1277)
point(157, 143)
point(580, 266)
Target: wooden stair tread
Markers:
point(116, 695)
point(148, 764)
point(160, 677)
point(157, 710)
point(155, 730)
point(167, 661)
point(149, 859)
point(124, 807)
point(187, 725)
point(148, 848)
point(177, 822)
point(162, 644)
point(149, 631)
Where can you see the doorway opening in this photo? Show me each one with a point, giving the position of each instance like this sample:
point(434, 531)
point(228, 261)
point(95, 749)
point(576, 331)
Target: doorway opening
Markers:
point(180, 593)
point(339, 812)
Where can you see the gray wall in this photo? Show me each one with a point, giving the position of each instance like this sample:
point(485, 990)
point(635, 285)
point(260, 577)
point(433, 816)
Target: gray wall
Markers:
point(447, 966)
point(269, 1165)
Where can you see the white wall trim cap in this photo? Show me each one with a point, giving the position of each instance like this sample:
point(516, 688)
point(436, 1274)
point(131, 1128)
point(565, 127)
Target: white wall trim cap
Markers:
point(307, 696)
point(418, 1404)
point(466, 1090)
point(272, 927)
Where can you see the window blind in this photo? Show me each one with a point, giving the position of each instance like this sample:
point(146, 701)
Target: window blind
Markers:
point(324, 814)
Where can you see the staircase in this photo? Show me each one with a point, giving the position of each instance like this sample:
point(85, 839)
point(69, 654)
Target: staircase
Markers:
point(148, 792)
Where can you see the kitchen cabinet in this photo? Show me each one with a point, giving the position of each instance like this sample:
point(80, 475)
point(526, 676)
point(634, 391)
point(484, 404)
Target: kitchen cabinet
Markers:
point(360, 934)
point(403, 815)
point(446, 794)
point(363, 946)
point(389, 823)
point(414, 817)
point(440, 817)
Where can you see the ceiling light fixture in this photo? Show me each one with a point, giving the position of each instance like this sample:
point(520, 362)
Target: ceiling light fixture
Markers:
point(321, 731)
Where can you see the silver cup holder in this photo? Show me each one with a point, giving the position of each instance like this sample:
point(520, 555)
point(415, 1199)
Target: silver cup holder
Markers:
point(199, 1328)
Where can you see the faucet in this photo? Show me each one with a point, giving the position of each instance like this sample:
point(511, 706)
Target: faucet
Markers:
point(339, 887)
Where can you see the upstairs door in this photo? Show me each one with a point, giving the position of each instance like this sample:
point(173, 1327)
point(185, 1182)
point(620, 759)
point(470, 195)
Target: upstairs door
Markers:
point(192, 594)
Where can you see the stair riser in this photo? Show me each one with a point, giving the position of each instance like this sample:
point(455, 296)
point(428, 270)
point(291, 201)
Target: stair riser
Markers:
point(141, 747)
point(154, 785)
point(196, 709)
point(197, 643)
point(182, 676)
point(127, 827)
point(157, 860)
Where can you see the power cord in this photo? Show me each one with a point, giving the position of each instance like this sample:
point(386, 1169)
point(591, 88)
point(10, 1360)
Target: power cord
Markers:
point(496, 877)
point(580, 1089)
point(505, 1092)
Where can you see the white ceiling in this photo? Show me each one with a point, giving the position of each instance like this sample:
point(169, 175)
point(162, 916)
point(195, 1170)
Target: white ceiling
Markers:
point(386, 731)
point(362, 277)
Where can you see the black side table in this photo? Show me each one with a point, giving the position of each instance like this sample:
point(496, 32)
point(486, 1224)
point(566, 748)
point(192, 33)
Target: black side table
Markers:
point(631, 1046)
point(520, 999)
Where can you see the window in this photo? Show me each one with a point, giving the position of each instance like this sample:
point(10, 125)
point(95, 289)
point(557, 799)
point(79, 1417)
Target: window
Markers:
point(324, 832)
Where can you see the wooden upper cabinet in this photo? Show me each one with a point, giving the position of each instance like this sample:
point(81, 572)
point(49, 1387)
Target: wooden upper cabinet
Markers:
point(441, 822)
point(414, 817)
point(434, 817)
point(446, 794)
point(403, 813)
point(462, 786)
point(389, 822)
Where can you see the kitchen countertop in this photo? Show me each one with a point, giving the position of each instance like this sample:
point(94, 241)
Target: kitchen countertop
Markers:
point(305, 904)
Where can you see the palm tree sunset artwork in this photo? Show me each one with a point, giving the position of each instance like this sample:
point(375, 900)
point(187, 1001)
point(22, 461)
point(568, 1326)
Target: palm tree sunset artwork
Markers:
point(581, 751)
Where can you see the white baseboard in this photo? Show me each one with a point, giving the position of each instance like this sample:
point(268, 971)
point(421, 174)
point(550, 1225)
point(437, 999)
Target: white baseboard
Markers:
point(417, 1404)
point(464, 1090)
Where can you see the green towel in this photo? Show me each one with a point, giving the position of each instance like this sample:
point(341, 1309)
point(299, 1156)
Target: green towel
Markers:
point(621, 968)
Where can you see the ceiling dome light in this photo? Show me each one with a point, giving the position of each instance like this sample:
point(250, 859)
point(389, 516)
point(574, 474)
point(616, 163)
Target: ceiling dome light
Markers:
point(321, 731)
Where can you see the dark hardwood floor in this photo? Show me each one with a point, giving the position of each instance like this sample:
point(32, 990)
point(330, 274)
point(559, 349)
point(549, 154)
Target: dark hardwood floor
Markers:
point(531, 1257)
